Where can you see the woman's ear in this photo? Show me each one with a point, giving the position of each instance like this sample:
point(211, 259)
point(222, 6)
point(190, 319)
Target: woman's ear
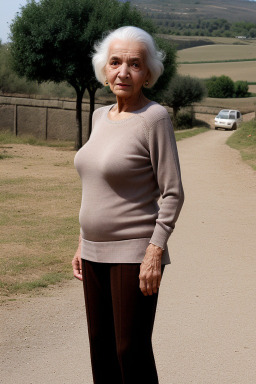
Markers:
point(147, 79)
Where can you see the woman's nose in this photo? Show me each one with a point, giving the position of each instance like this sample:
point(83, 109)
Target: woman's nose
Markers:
point(124, 71)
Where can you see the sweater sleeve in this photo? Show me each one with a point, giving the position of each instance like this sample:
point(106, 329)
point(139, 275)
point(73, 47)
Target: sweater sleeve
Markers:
point(166, 168)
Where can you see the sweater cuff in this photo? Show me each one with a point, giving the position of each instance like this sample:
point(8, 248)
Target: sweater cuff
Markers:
point(160, 237)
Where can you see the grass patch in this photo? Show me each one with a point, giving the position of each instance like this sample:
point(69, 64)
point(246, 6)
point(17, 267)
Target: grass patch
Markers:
point(184, 134)
point(28, 286)
point(244, 140)
point(5, 156)
point(39, 225)
point(7, 137)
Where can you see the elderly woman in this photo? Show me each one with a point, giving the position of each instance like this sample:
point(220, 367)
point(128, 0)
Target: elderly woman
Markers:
point(129, 160)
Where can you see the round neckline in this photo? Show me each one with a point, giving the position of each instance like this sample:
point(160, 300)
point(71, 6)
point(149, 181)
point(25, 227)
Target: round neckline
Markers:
point(134, 113)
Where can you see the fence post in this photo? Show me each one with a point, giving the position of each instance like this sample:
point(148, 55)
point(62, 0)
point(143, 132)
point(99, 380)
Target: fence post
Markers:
point(46, 123)
point(15, 120)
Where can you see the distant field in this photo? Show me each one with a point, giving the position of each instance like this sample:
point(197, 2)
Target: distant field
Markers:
point(217, 52)
point(215, 40)
point(209, 104)
point(252, 88)
point(237, 71)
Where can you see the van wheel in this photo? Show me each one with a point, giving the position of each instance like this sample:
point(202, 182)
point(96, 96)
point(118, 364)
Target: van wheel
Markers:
point(216, 128)
point(234, 127)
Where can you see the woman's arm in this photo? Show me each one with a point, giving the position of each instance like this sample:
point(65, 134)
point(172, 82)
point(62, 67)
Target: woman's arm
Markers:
point(166, 168)
point(76, 262)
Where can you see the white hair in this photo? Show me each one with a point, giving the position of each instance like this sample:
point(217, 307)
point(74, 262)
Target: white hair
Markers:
point(154, 57)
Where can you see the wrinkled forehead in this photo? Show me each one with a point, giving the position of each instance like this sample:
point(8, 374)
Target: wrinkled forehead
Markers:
point(127, 48)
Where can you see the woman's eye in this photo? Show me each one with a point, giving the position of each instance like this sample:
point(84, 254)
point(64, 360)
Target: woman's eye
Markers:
point(114, 62)
point(135, 65)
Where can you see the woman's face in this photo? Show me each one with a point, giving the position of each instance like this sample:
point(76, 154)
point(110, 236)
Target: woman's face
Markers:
point(126, 69)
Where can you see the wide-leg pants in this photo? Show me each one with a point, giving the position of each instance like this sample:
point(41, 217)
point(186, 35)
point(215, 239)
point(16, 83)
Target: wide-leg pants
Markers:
point(120, 323)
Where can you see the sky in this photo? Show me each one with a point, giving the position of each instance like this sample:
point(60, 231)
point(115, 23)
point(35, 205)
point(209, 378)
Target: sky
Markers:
point(8, 10)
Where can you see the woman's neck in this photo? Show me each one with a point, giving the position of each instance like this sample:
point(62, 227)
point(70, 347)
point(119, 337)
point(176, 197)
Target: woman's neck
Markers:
point(130, 105)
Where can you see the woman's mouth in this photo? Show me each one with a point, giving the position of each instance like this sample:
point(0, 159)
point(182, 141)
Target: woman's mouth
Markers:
point(123, 85)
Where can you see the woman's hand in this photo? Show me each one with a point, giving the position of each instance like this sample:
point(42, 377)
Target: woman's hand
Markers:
point(76, 262)
point(150, 270)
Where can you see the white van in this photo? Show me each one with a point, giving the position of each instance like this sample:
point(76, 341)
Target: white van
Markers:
point(228, 119)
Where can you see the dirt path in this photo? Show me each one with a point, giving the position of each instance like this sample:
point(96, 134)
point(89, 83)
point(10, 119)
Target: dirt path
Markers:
point(205, 324)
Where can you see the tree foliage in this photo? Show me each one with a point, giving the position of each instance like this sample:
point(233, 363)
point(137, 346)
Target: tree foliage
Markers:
point(182, 92)
point(170, 66)
point(241, 89)
point(225, 87)
point(220, 87)
point(52, 40)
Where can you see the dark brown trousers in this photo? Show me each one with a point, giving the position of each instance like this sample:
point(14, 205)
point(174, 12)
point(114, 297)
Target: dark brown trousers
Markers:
point(120, 323)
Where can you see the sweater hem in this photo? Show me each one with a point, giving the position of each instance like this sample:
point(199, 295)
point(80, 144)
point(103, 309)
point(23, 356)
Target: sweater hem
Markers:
point(119, 251)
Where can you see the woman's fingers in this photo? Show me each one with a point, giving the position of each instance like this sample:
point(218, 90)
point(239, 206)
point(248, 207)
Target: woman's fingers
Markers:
point(155, 283)
point(77, 262)
point(149, 281)
point(143, 286)
point(77, 270)
point(149, 288)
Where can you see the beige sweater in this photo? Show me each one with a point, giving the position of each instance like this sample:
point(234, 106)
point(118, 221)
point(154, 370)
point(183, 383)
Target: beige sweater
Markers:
point(125, 167)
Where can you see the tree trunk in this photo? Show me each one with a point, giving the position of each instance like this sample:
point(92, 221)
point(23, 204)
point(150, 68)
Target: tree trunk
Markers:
point(175, 111)
point(79, 98)
point(91, 90)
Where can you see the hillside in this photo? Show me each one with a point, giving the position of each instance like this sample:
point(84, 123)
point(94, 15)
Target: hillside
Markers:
point(192, 10)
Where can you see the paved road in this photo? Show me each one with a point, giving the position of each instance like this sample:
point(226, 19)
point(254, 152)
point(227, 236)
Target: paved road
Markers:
point(205, 324)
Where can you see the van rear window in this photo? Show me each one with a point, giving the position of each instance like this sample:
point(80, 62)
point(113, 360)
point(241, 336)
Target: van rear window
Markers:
point(223, 115)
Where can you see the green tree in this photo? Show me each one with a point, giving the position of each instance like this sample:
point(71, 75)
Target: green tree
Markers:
point(241, 89)
point(170, 66)
point(220, 87)
point(52, 40)
point(9, 81)
point(182, 92)
point(252, 33)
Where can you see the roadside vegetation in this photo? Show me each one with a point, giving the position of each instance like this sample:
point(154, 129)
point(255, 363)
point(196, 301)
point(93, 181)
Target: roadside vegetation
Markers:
point(244, 140)
point(6, 137)
point(185, 134)
point(40, 200)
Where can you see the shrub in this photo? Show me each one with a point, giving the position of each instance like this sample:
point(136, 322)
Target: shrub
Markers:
point(220, 87)
point(241, 89)
point(184, 120)
point(183, 91)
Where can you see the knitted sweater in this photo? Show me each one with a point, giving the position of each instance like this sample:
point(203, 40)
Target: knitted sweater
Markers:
point(125, 166)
